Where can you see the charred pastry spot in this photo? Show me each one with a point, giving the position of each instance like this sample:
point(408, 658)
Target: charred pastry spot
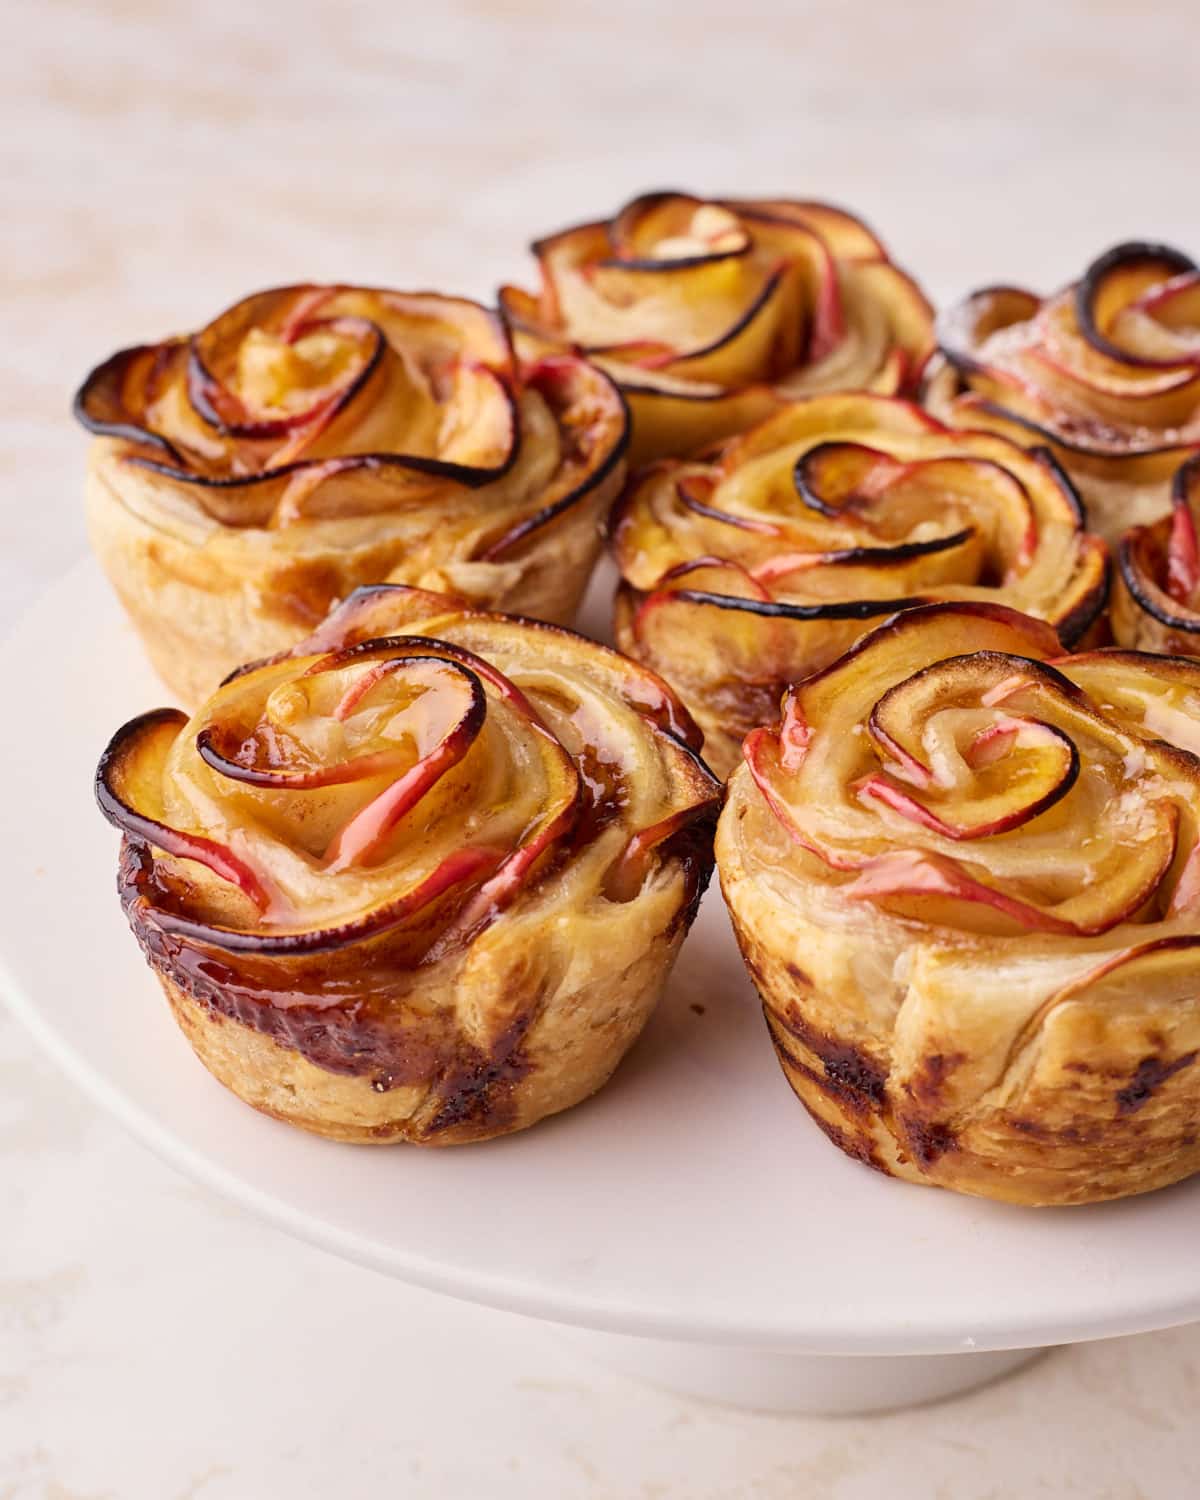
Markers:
point(932, 1072)
point(927, 1141)
point(1150, 1074)
point(796, 973)
point(856, 1145)
point(850, 1072)
point(478, 1088)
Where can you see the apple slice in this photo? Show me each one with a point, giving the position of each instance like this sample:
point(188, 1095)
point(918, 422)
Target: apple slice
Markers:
point(628, 874)
point(457, 869)
point(561, 800)
point(594, 422)
point(834, 477)
point(129, 772)
point(695, 493)
point(937, 891)
point(1183, 555)
point(963, 329)
point(916, 638)
point(366, 830)
point(804, 766)
point(890, 498)
point(674, 225)
point(1113, 282)
point(1031, 766)
point(507, 639)
point(243, 396)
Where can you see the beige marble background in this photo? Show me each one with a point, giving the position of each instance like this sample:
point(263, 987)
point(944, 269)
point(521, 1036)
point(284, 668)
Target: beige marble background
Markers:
point(158, 160)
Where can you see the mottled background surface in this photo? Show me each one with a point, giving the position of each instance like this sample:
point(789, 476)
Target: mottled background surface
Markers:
point(159, 160)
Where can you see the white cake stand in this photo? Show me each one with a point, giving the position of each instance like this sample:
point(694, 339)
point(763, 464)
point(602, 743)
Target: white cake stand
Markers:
point(689, 1224)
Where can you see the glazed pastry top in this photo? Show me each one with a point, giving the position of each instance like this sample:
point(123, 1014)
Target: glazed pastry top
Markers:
point(406, 776)
point(683, 296)
point(954, 773)
point(847, 500)
point(1108, 369)
point(314, 402)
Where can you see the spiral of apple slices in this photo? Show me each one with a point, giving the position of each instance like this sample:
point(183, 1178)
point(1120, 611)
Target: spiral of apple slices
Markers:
point(708, 314)
point(313, 439)
point(1106, 372)
point(753, 569)
point(965, 876)
point(424, 876)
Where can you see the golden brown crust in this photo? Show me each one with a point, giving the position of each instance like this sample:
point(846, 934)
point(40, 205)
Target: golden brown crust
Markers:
point(1105, 372)
point(315, 439)
point(548, 1057)
point(761, 564)
point(422, 877)
point(985, 978)
point(709, 314)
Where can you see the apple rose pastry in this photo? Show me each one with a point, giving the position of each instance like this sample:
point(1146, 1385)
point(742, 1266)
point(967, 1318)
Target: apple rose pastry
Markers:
point(756, 567)
point(1156, 603)
point(317, 438)
point(709, 314)
point(1107, 372)
point(964, 874)
point(423, 877)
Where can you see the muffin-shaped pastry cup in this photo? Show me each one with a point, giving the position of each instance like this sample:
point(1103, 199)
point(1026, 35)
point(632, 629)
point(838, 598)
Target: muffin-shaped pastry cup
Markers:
point(708, 314)
point(1156, 602)
point(315, 439)
point(751, 569)
point(1106, 372)
point(423, 877)
point(964, 875)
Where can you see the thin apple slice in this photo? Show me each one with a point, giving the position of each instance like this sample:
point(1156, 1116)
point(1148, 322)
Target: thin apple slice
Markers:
point(1183, 554)
point(1037, 765)
point(938, 891)
point(560, 803)
point(457, 869)
point(675, 226)
point(1113, 282)
point(368, 828)
point(918, 637)
point(628, 874)
point(129, 773)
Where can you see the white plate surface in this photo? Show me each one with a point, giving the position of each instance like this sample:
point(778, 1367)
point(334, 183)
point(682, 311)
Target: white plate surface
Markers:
point(691, 1199)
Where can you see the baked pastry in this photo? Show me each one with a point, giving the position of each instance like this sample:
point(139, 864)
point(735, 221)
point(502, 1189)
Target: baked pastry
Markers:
point(421, 878)
point(1156, 602)
point(316, 438)
point(709, 313)
point(1106, 372)
point(748, 571)
point(964, 875)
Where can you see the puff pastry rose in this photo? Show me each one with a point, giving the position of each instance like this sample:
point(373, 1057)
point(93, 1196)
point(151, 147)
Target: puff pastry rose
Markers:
point(1156, 604)
point(748, 571)
point(423, 877)
point(964, 874)
point(316, 438)
point(709, 313)
point(1107, 372)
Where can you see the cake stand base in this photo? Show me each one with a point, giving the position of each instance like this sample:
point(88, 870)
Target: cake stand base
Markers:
point(812, 1384)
